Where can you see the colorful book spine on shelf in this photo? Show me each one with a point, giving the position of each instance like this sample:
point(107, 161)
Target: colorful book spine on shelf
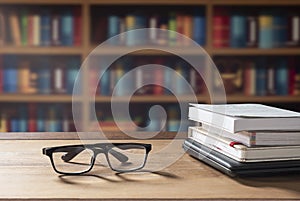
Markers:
point(66, 28)
point(24, 27)
point(55, 29)
point(77, 29)
point(266, 37)
point(1, 73)
point(279, 30)
point(271, 88)
point(36, 33)
point(250, 78)
point(44, 80)
point(199, 28)
point(281, 80)
point(221, 23)
point(252, 31)
point(293, 30)
point(238, 35)
point(113, 28)
point(172, 27)
point(2, 28)
point(14, 24)
point(45, 27)
point(10, 75)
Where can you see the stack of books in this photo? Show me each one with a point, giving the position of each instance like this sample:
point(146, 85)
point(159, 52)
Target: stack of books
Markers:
point(245, 139)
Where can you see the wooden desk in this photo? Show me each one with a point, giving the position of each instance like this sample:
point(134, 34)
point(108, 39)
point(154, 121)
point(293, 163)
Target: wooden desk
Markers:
point(26, 174)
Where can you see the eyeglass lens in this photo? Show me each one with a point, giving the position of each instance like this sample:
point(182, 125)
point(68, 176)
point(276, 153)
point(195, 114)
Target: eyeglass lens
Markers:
point(121, 158)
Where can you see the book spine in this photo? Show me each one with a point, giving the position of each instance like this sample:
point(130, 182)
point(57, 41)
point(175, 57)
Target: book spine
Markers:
point(252, 31)
point(44, 80)
point(172, 29)
point(2, 28)
point(221, 28)
point(15, 28)
point(55, 29)
point(282, 78)
point(45, 28)
point(261, 81)
point(265, 31)
point(77, 27)
point(24, 27)
point(66, 28)
point(1, 73)
point(30, 29)
point(238, 33)
point(113, 27)
point(199, 29)
point(279, 31)
point(187, 28)
point(271, 80)
point(36, 29)
point(293, 30)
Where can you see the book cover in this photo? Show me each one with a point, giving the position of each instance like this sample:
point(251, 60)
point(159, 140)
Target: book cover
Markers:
point(245, 117)
point(242, 153)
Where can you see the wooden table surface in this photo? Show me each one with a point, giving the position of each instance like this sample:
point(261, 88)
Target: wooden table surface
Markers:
point(26, 174)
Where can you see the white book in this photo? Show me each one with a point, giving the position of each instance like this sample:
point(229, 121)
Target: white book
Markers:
point(256, 138)
point(242, 153)
point(245, 117)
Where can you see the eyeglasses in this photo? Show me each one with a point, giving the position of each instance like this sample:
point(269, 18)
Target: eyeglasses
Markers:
point(79, 159)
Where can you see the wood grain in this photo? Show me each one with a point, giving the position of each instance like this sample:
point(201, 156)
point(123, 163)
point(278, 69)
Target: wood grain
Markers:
point(26, 174)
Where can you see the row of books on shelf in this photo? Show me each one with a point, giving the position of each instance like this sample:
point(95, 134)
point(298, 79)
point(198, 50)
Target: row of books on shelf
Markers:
point(260, 76)
point(57, 118)
point(245, 139)
point(191, 25)
point(36, 118)
point(150, 80)
point(40, 26)
point(267, 29)
point(32, 77)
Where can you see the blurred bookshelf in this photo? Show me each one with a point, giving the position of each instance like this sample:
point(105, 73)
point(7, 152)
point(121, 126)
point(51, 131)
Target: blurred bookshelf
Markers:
point(255, 45)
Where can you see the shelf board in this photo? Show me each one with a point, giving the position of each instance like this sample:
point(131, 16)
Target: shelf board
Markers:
point(255, 51)
point(151, 2)
point(150, 99)
point(41, 50)
point(36, 98)
point(255, 2)
point(43, 2)
point(146, 50)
